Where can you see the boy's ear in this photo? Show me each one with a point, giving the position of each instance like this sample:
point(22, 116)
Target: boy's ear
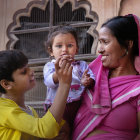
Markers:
point(5, 84)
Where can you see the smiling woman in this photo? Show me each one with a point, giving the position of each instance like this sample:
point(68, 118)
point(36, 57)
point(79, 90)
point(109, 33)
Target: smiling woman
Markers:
point(108, 45)
point(117, 88)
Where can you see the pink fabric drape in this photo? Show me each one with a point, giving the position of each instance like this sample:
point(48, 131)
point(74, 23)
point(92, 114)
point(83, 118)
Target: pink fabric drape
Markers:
point(105, 96)
point(114, 92)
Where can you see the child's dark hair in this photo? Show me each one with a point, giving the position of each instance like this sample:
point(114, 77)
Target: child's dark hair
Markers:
point(10, 61)
point(59, 30)
point(124, 28)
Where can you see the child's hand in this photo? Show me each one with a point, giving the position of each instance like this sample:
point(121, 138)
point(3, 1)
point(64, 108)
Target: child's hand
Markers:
point(86, 80)
point(64, 72)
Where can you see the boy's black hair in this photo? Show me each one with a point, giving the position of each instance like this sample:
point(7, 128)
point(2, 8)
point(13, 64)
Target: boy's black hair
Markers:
point(62, 29)
point(10, 61)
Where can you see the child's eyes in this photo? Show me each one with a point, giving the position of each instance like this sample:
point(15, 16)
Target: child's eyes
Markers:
point(69, 45)
point(58, 46)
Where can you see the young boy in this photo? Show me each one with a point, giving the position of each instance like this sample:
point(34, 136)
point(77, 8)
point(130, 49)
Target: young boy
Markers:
point(18, 121)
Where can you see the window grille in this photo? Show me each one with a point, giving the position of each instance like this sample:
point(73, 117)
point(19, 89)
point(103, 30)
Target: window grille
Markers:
point(28, 32)
point(31, 26)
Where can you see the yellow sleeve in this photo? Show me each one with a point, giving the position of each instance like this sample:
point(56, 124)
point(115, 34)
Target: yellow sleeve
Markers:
point(45, 127)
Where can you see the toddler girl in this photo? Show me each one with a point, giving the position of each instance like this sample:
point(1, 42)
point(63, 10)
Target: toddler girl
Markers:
point(63, 43)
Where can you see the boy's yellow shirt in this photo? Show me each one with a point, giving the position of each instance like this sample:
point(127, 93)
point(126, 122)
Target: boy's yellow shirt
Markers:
point(15, 123)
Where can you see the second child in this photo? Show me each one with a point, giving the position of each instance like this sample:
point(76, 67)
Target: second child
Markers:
point(63, 42)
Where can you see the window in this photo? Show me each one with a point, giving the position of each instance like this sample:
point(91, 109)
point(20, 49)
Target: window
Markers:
point(32, 25)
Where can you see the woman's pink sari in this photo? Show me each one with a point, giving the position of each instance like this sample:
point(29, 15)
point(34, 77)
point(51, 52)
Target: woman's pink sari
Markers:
point(106, 95)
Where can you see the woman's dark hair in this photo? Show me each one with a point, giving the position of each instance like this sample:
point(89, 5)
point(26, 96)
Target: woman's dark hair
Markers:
point(10, 61)
point(60, 30)
point(124, 28)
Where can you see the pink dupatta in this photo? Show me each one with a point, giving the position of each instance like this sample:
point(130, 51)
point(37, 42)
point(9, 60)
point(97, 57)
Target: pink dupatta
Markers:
point(106, 95)
point(114, 92)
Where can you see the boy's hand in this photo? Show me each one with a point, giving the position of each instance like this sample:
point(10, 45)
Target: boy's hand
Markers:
point(66, 57)
point(64, 72)
point(86, 80)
